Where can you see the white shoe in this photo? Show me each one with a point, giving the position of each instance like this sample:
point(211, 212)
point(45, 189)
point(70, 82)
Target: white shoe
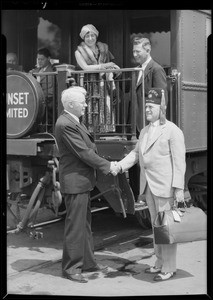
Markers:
point(163, 276)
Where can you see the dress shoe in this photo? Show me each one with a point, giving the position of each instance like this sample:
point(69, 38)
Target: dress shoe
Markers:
point(163, 276)
point(152, 270)
point(75, 277)
point(96, 268)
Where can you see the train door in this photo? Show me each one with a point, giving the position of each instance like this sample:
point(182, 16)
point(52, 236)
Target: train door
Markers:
point(190, 31)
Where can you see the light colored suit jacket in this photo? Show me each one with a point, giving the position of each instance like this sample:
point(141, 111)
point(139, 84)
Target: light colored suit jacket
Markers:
point(162, 161)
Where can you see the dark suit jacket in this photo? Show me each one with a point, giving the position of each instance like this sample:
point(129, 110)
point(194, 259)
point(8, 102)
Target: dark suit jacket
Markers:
point(78, 156)
point(47, 85)
point(154, 77)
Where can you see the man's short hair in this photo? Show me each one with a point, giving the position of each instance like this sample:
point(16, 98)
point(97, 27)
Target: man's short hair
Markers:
point(145, 42)
point(74, 93)
point(44, 51)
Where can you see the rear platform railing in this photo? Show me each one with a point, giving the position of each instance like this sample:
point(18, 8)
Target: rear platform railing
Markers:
point(49, 88)
point(111, 100)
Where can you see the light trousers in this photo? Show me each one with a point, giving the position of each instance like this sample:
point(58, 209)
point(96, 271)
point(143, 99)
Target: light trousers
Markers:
point(165, 254)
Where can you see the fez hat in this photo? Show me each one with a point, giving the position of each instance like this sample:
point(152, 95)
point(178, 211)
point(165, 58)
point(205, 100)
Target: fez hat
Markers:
point(154, 96)
point(157, 96)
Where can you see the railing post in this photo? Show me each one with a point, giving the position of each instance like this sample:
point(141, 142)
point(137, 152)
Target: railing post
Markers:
point(61, 81)
point(143, 99)
point(133, 106)
point(81, 79)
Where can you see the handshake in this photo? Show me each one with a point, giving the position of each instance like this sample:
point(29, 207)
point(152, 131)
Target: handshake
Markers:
point(115, 168)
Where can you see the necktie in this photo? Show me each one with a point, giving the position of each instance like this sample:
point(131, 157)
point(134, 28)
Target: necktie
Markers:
point(39, 77)
point(139, 75)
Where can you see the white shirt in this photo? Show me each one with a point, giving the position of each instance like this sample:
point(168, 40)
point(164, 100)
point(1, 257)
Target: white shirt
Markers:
point(150, 133)
point(153, 127)
point(74, 116)
point(143, 68)
point(41, 71)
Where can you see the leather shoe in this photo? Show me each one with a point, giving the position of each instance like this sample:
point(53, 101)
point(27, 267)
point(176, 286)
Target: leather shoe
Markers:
point(152, 270)
point(163, 276)
point(75, 277)
point(98, 267)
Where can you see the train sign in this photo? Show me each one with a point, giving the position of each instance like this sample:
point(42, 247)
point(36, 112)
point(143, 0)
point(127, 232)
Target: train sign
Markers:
point(25, 104)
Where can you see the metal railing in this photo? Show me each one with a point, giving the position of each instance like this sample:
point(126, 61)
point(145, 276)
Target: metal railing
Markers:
point(111, 99)
point(49, 87)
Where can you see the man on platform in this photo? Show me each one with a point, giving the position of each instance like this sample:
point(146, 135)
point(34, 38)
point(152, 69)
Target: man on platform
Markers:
point(77, 175)
point(160, 152)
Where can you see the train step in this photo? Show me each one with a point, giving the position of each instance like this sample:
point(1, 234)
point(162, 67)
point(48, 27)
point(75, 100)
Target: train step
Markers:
point(139, 206)
point(95, 209)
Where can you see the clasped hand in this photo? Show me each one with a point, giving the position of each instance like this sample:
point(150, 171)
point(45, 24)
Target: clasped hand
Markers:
point(179, 195)
point(115, 168)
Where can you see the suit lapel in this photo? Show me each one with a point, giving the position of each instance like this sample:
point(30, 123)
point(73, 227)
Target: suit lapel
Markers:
point(146, 72)
point(48, 69)
point(158, 132)
point(140, 81)
point(143, 139)
point(80, 125)
point(83, 127)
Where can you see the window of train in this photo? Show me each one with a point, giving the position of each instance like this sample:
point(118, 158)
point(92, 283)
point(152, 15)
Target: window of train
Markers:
point(49, 36)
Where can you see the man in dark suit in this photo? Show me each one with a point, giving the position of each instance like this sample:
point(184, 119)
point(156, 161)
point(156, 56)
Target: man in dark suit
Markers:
point(46, 81)
point(154, 75)
point(44, 65)
point(77, 176)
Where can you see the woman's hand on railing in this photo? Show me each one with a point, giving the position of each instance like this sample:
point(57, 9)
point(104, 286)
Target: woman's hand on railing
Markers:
point(108, 65)
point(112, 66)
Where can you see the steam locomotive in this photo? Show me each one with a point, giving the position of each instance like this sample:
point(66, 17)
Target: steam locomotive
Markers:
point(32, 155)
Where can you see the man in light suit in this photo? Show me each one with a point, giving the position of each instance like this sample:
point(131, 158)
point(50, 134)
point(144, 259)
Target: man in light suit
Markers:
point(154, 77)
point(160, 152)
point(77, 176)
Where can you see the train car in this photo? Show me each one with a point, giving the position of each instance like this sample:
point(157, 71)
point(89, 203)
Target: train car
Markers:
point(179, 43)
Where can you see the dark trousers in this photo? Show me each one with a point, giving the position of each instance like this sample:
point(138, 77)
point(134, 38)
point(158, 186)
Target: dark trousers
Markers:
point(78, 249)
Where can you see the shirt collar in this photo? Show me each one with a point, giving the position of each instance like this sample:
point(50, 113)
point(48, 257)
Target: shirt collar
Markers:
point(155, 124)
point(146, 63)
point(44, 69)
point(76, 118)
